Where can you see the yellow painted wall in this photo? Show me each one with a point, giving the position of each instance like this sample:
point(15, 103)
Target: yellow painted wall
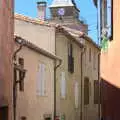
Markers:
point(67, 106)
point(29, 104)
point(41, 35)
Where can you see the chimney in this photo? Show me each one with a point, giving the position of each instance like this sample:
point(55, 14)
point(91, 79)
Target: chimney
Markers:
point(41, 6)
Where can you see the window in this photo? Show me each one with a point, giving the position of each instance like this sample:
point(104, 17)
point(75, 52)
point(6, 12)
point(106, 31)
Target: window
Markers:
point(86, 91)
point(41, 80)
point(23, 118)
point(96, 91)
point(70, 58)
point(76, 95)
point(63, 85)
point(94, 60)
point(21, 61)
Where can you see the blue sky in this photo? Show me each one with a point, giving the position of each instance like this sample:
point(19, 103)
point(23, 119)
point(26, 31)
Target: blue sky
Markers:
point(88, 12)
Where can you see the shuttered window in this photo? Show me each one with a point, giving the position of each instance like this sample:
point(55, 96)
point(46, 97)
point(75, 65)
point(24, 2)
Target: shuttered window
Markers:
point(96, 91)
point(70, 58)
point(94, 60)
point(41, 80)
point(86, 91)
point(76, 94)
point(63, 85)
point(89, 54)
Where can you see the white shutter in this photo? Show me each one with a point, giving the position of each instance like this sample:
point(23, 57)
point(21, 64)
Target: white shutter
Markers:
point(41, 80)
point(76, 94)
point(63, 85)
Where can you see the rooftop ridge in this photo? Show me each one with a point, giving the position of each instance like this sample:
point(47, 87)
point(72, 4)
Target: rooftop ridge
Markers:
point(31, 20)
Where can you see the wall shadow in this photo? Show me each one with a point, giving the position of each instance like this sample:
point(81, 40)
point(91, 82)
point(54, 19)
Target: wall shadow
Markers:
point(110, 101)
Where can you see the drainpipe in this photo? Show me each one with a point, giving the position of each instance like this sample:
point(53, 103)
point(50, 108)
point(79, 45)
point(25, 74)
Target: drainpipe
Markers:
point(82, 53)
point(55, 70)
point(99, 80)
point(15, 77)
point(14, 83)
point(55, 73)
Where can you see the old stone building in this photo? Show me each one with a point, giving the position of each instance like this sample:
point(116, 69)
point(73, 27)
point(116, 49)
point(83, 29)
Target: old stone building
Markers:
point(75, 91)
point(36, 99)
point(84, 61)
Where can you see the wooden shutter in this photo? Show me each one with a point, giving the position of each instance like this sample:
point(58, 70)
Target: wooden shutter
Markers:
point(96, 91)
point(70, 58)
point(41, 80)
point(86, 91)
point(63, 85)
point(90, 54)
point(76, 94)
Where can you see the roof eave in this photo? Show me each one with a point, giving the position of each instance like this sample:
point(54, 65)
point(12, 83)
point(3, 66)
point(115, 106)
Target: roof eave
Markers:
point(36, 48)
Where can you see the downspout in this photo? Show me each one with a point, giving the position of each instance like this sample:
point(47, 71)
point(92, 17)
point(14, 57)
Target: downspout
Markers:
point(14, 82)
point(99, 80)
point(55, 78)
point(82, 53)
point(55, 70)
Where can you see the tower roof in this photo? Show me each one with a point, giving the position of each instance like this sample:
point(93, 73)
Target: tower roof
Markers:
point(62, 3)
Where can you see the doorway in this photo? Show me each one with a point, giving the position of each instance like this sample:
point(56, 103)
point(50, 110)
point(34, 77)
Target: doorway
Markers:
point(3, 113)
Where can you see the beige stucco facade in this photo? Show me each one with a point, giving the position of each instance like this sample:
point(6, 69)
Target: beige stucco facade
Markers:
point(66, 106)
point(91, 71)
point(39, 34)
point(29, 103)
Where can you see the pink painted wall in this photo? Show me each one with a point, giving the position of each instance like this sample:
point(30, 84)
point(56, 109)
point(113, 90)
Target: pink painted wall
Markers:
point(6, 48)
point(110, 70)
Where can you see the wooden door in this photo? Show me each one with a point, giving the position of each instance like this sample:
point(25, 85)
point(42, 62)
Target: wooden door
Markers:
point(3, 113)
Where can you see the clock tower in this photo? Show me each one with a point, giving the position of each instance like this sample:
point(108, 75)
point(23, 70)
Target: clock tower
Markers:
point(64, 9)
point(65, 12)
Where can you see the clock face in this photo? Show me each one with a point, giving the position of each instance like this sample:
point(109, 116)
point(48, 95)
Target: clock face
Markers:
point(61, 11)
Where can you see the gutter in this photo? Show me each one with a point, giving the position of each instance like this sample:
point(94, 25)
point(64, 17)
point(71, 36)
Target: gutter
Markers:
point(82, 53)
point(37, 49)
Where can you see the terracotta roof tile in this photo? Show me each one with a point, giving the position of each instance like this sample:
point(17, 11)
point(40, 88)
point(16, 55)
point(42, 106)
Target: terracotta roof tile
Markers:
point(31, 20)
point(72, 32)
